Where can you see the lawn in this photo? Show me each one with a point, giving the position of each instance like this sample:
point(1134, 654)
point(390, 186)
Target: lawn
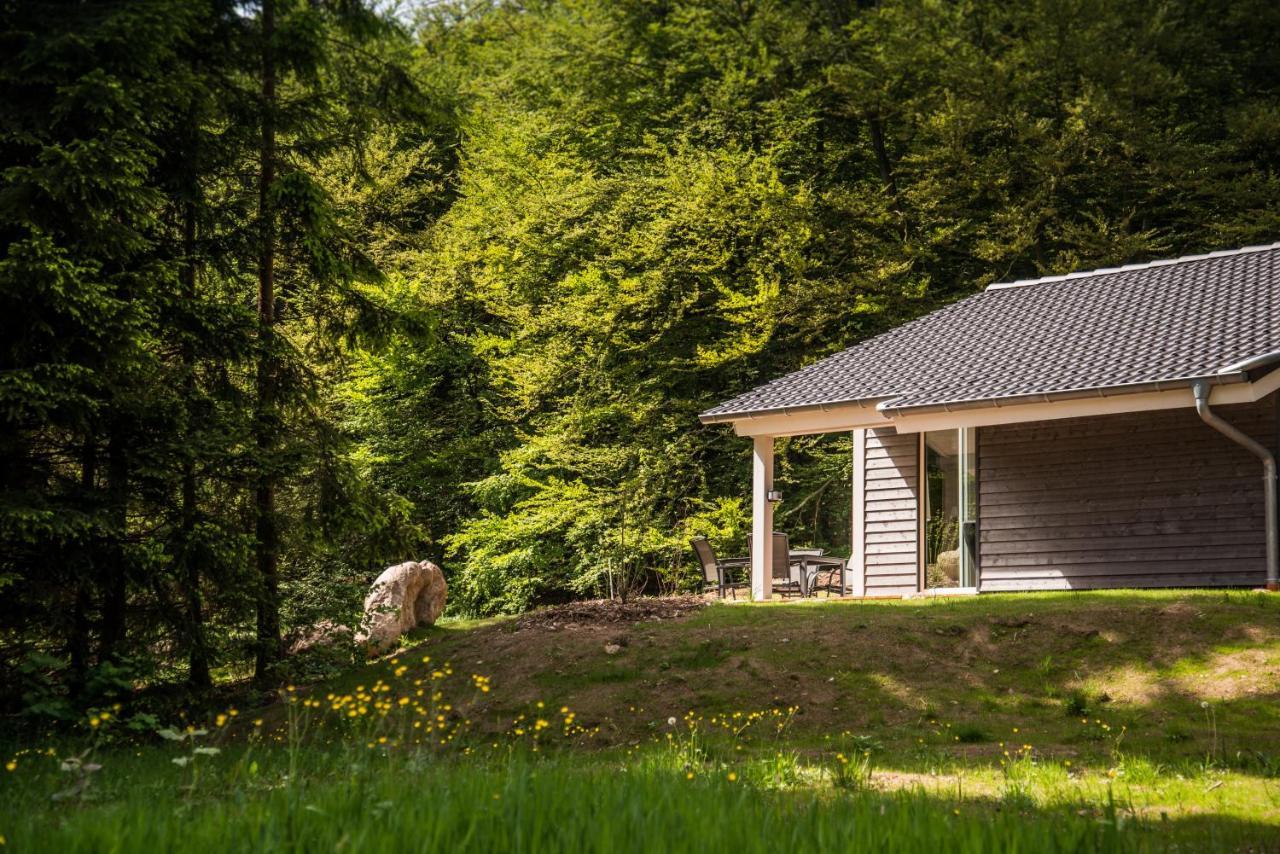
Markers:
point(1090, 721)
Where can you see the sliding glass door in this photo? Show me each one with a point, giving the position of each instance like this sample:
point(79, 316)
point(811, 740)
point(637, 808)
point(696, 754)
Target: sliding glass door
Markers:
point(950, 509)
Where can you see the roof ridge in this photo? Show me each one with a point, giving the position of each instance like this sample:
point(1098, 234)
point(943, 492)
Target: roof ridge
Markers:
point(1102, 271)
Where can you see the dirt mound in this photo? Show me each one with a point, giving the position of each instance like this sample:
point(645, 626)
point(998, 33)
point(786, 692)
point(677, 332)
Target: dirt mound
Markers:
point(599, 612)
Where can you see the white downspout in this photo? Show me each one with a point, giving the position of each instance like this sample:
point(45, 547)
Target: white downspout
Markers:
point(1201, 390)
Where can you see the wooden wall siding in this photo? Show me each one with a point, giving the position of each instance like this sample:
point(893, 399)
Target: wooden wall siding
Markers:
point(892, 478)
point(1154, 499)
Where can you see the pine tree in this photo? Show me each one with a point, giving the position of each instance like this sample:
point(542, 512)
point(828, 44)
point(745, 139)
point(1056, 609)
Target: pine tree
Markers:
point(83, 93)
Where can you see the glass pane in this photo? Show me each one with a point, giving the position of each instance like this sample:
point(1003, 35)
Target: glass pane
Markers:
point(951, 509)
point(968, 508)
point(942, 509)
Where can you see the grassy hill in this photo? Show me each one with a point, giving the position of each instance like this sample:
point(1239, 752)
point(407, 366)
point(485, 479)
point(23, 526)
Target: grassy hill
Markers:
point(1091, 721)
point(901, 670)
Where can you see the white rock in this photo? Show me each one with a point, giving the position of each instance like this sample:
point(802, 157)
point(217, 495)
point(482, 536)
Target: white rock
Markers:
point(403, 596)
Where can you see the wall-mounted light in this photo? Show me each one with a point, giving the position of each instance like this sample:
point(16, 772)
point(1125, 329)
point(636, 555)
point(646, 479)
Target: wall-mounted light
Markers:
point(774, 495)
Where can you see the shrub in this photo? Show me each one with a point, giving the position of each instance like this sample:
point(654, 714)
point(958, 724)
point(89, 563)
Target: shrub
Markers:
point(1077, 704)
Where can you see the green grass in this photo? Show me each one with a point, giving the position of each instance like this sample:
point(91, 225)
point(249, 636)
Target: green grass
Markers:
point(364, 800)
point(1144, 661)
point(1102, 721)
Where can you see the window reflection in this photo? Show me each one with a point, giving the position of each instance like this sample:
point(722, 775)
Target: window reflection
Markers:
point(951, 509)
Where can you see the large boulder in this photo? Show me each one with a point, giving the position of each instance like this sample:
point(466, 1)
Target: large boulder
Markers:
point(949, 564)
point(403, 596)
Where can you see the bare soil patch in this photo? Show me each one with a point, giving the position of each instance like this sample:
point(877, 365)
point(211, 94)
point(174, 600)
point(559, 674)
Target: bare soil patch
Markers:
point(603, 612)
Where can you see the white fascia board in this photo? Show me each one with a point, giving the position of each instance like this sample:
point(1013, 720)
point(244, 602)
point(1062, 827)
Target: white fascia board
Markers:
point(846, 417)
point(835, 419)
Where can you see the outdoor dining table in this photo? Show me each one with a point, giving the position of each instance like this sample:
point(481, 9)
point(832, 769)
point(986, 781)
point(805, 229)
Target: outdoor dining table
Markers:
point(809, 562)
point(804, 565)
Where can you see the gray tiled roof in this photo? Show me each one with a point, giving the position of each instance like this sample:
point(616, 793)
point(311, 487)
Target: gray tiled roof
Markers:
point(1126, 328)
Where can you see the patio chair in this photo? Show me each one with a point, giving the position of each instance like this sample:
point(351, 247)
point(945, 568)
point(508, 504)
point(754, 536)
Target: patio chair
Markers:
point(717, 573)
point(783, 561)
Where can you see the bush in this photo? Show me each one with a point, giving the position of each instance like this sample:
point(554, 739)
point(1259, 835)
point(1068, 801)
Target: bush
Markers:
point(1077, 704)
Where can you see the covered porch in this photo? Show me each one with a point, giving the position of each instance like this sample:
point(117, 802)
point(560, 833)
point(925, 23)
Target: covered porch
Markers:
point(1080, 495)
point(1037, 436)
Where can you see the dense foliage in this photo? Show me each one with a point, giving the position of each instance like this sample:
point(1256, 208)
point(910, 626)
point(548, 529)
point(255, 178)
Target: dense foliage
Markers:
point(292, 290)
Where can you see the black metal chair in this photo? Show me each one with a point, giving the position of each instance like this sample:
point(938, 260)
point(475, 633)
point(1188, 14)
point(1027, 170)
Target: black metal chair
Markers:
point(717, 573)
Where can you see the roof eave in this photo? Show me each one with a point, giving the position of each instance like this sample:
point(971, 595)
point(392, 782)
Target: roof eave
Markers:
point(748, 414)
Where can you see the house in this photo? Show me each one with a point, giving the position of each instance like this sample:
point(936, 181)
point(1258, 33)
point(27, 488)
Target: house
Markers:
point(1111, 428)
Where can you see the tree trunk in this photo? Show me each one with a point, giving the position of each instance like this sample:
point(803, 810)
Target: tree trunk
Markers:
point(115, 579)
point(876, 126)
point(78, 643)
point(197, 644)
point(268, 628)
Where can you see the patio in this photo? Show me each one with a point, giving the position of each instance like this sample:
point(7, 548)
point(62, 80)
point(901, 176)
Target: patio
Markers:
point(801, 571)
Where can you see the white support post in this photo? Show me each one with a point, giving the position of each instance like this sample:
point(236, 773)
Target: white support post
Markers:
point(761, 518)
point(858, 536)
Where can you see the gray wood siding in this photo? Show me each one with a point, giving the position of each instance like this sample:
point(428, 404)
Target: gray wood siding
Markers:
point(1150, 499)
point(892, 497)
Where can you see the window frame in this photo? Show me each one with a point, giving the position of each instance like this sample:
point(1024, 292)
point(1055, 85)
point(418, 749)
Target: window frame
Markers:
point(922, 518)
